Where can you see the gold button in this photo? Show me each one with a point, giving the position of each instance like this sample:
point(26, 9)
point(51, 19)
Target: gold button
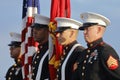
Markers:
point(87, 56)
point(59, 64)
point(82, 74)
point(88, 51)
point(10, 73)
point(33, 74)
point(91, 45)
point(9, 78)
point(83, 67)
point(12, 68)
point(38, 51)
point(18, 60)
point(84, 61)
point(57, 70)
point(15, 64)
point(91, 62)
point(35, 62)
point(66, 48)
point(57, 76)
point(37, 57)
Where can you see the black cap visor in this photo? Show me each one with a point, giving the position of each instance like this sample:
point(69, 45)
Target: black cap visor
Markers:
point(14, 43)
point(85, 25)
point(61, 29)
point(38, 26)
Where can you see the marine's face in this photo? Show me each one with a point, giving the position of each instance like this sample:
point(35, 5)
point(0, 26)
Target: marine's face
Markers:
point(64, 37)
point(40, 34)
point(90, 33)
point(15, 51)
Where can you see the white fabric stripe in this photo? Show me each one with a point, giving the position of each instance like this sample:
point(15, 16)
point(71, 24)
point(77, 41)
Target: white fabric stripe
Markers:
point(50, 47)
point(23, 72)
point(26, 38)
point(30, 71)
point(30, 10)
point(29, 32)
point(23, 47)
point(64, 63)
point(29, 53)
point(31, 50)
point(26, 58)
point(35, 10)
point(38, 76)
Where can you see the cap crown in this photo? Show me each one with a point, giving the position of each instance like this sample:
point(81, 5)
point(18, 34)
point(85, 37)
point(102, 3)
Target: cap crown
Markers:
point(15, 36)
point(68, 22)
point(40, 19)
point(90, 17)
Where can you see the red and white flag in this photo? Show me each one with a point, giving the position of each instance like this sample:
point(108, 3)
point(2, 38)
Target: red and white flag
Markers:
point(28, 46)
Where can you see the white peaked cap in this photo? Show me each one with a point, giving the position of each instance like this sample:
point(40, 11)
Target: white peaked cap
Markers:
point(40, 19)
point(90, 17)
point(68, 22)
point(15, 36)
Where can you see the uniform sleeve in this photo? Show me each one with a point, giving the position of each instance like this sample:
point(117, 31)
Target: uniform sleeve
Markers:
point(111, 62)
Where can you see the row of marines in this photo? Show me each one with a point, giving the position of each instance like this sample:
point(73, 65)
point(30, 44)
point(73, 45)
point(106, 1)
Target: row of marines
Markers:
point(99, 61)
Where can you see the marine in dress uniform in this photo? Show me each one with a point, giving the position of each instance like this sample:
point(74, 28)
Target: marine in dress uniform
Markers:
point(14, 72)
point(40, 70)
point(66, 32)
point(101, 61)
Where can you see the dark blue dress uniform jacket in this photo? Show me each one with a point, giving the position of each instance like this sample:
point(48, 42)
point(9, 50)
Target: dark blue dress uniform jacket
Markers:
point(35, 63)
point(14, 72)
point(69, 65)
point(99, 62)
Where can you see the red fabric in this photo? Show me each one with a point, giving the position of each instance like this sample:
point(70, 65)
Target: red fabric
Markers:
point(68, 8)
point(62, 8)
point(52, 72)
point(23, 34)
point(26, 68)
point(59, 50)
point(54, 9)
point(23, 59)
point(30, 60)
point(113, 67)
